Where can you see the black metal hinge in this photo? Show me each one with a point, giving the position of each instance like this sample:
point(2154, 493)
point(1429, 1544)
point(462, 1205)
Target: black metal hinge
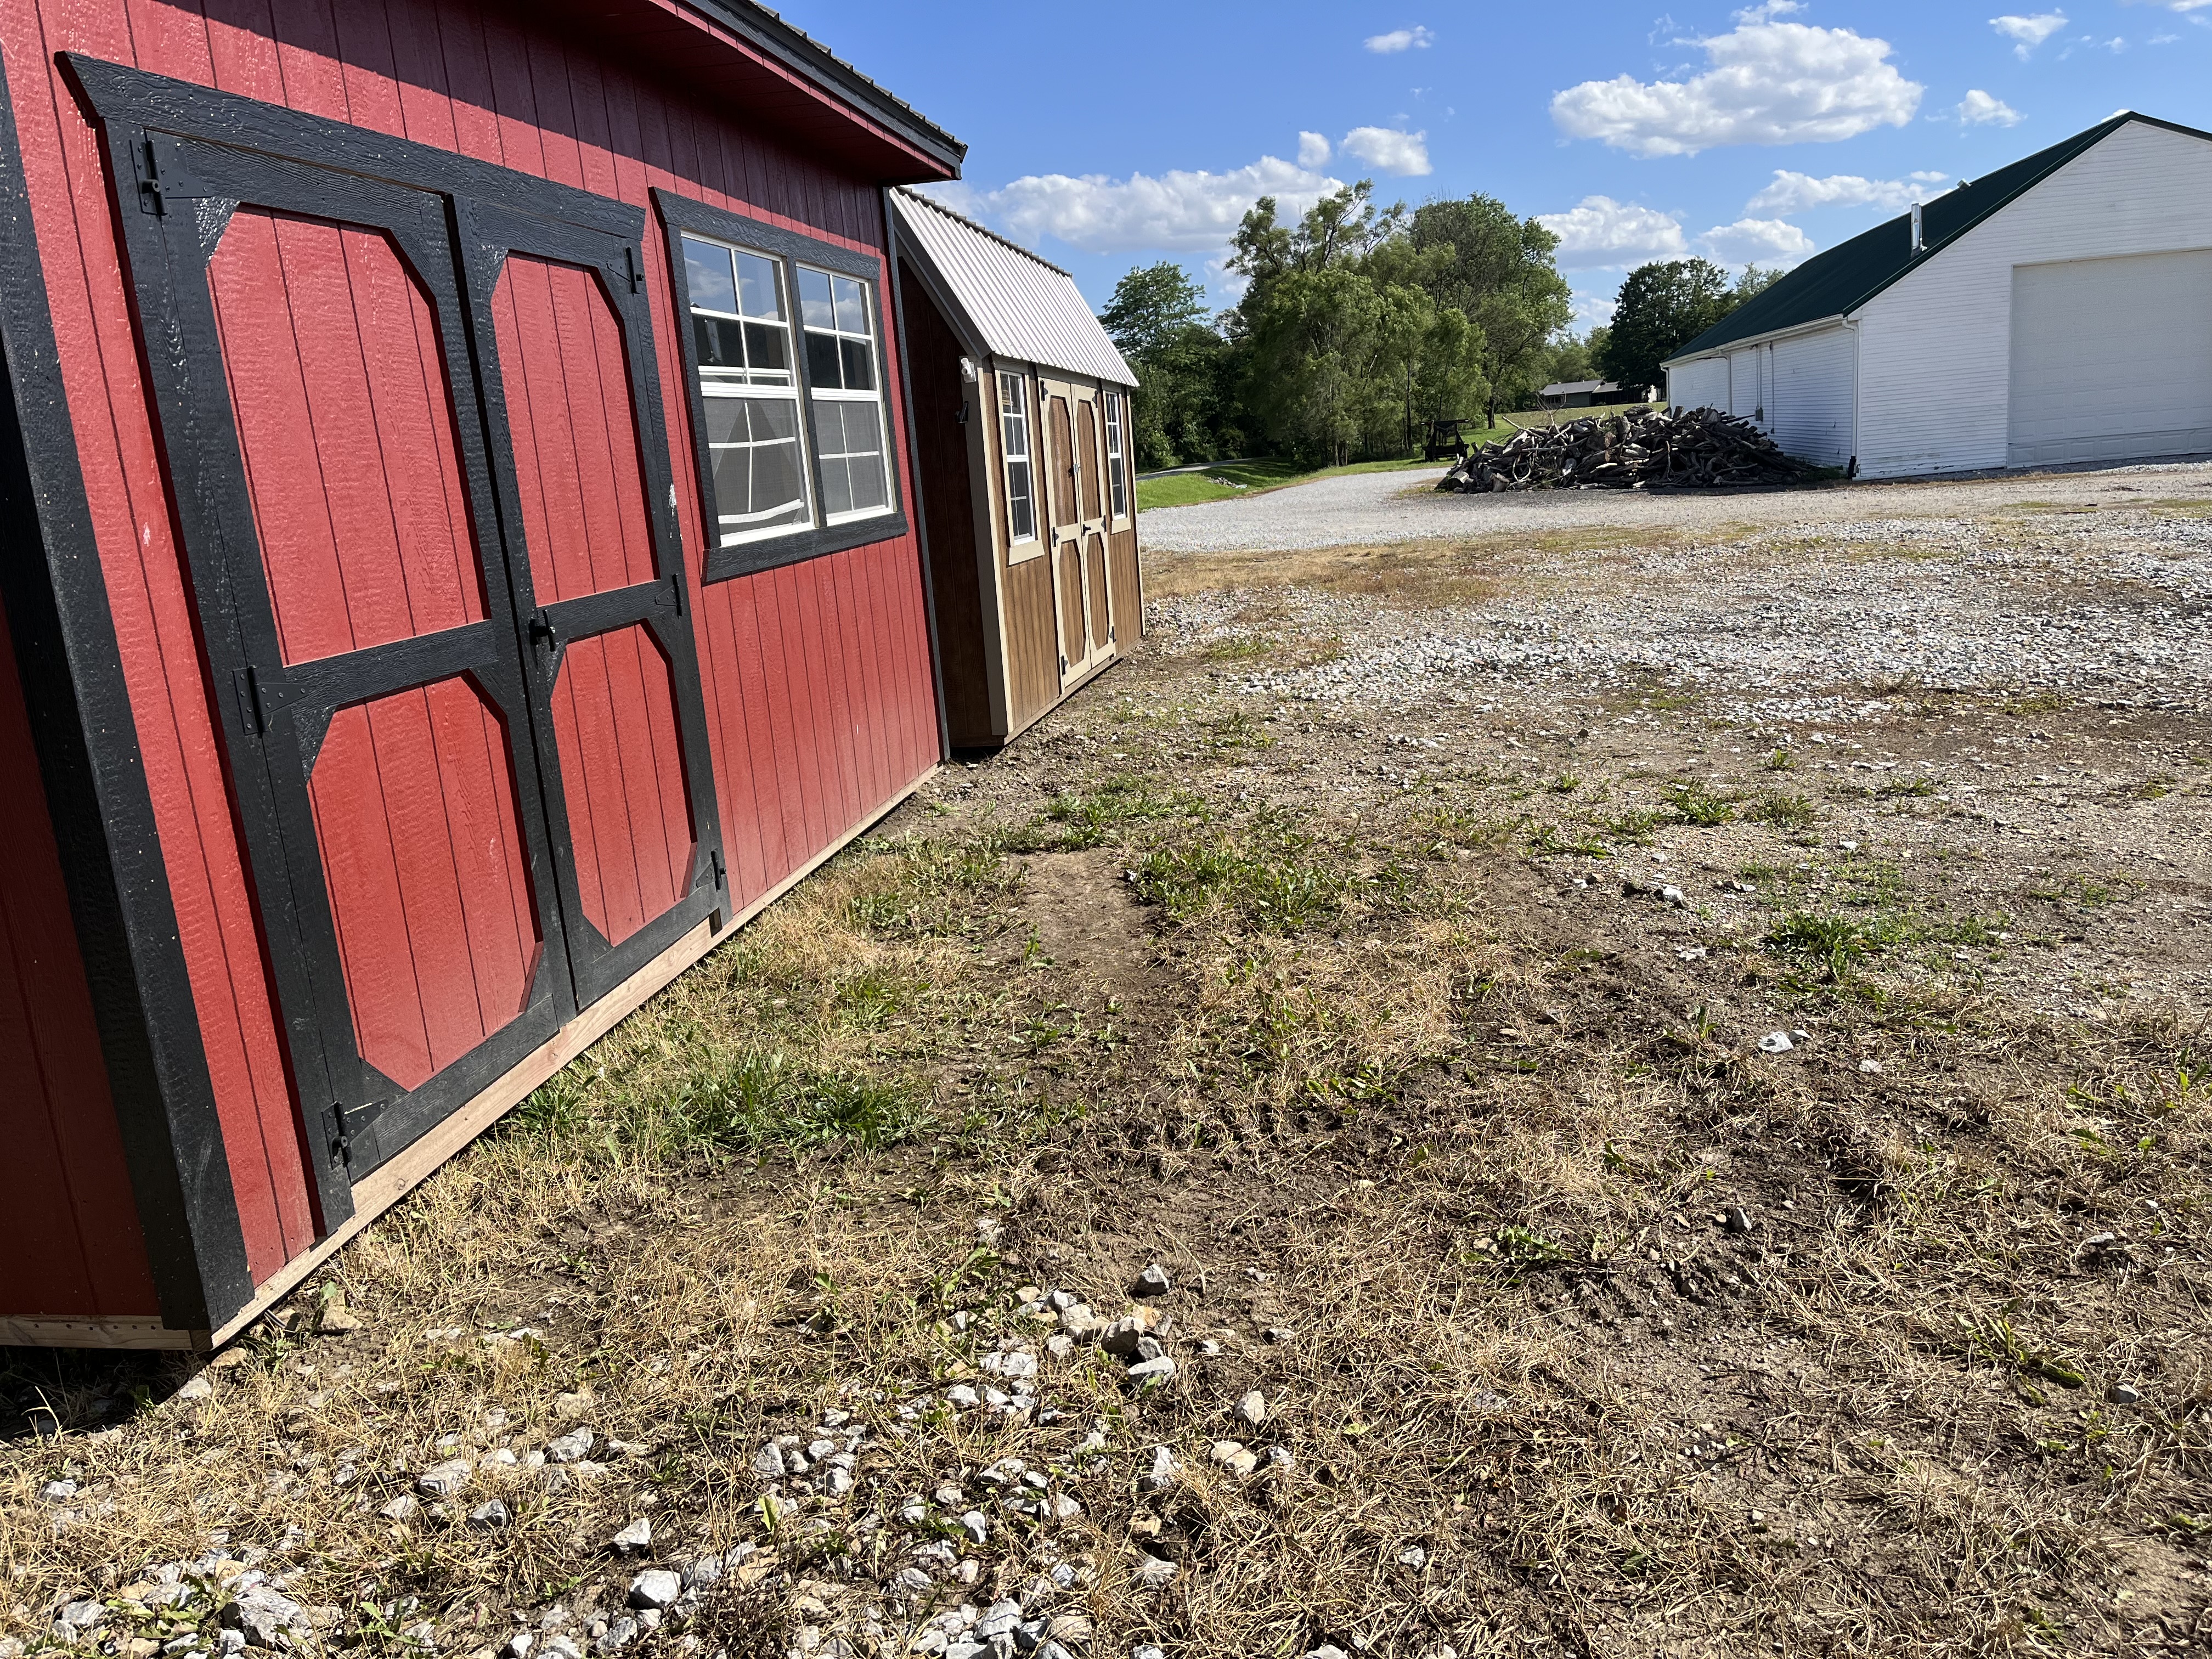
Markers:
point(258, 699)
point(348, 1124)
point(629, 268)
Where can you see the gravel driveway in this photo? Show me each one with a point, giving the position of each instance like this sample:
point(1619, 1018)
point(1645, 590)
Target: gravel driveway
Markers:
point(1372, 508)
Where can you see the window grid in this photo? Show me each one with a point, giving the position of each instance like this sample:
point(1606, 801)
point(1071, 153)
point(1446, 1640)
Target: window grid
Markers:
point(741, 328)
point(1014, 437)
point(847, 402)
point(1117, 476)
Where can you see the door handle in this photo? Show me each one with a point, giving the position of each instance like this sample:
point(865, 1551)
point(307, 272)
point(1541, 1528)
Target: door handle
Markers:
point(542, 629)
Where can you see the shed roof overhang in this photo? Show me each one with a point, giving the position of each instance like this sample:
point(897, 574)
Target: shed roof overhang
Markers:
point(745, 56)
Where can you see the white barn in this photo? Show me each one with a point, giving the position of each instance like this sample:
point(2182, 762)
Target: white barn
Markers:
point(2059, 310)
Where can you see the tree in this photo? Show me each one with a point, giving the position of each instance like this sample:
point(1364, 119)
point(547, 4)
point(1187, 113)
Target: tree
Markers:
point(1151, 307)
point(1157, 317)
point(1662, 307)
point(1498, 272)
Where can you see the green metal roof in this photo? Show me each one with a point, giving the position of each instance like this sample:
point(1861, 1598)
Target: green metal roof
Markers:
point(1840, 281)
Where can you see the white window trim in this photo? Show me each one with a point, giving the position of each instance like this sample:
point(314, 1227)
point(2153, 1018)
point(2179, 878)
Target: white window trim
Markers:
point(1019, 549)
point(725, 383)
point(1117, 453)
point(872, 340)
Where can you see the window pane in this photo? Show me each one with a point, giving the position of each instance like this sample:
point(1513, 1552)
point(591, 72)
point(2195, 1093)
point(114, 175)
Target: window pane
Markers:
point(757, 284)
point(706, 270)
point(767, 346)
point(722, 343)
point(821, 364)
point(868, 487)
point(759, 483)
point(837, 487)
point(852, 306)
point(860, 365)
point(1020, 510)
point(816, 308)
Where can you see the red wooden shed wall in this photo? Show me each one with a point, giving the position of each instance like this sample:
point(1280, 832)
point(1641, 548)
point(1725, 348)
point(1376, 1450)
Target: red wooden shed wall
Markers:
point(69, 1229)
point(817, 675)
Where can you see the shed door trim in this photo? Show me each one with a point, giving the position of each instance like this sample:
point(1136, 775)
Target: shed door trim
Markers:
point(183, 160)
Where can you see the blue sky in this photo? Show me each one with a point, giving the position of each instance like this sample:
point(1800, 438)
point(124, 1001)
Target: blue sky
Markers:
point(1763, 132)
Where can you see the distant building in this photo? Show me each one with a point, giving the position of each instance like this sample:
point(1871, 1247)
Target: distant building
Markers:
point(1582, 394)
point(2058, 310)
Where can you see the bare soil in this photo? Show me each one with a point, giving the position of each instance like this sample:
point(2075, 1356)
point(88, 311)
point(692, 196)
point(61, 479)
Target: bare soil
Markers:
point(1421, 1041)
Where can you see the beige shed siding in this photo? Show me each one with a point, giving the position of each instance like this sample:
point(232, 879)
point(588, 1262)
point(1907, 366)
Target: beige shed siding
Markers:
point(1810, 413)
point(1935, 347)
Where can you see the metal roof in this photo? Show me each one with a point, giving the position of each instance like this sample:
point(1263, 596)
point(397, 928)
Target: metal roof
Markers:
point(1004, 300)
point(1839, 281)
point(1561, 388)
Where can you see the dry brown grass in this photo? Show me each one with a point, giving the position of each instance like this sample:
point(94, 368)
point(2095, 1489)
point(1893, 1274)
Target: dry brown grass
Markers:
point(1363, 1070)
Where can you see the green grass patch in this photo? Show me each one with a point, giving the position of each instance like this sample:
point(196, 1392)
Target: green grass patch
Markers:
point(1784, 812)
point(1075, 822)
point(1276, 881)
point(1698, 803)
point(1832, 944)
point(754, 1101)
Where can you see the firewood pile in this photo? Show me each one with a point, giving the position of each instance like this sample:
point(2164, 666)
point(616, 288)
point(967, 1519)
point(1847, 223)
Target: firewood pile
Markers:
point(1638, 448)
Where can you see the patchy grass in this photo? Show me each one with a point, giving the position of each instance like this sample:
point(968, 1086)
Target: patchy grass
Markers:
point(1237, 479)
point(1583, 1325)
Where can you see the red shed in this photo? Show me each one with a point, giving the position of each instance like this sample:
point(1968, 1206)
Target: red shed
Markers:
point(461, 565)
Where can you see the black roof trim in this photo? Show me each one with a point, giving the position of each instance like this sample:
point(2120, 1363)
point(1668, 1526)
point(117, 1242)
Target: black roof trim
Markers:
point(1838, 282)
point(800, 52)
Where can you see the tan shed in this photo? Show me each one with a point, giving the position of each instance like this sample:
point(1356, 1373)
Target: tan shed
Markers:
point(1021, 414)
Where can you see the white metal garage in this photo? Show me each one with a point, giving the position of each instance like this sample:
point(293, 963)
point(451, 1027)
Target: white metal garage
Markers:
point(2058, 310)
point(2112, 359)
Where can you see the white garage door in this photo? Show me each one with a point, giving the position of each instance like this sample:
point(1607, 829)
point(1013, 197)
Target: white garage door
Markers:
point(2112, 359)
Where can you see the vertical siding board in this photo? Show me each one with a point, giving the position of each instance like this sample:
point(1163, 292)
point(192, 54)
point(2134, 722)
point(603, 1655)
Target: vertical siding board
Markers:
point(816, 676)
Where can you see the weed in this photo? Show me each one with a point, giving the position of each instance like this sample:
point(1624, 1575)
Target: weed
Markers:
point(1275, 883)
point(1092, 817)
point(1781, 761)
point(1634, 825)
point(1835, 943)
point(1566, 784)
point(1546, 841)
point(1698, 803)
point(1784, 811)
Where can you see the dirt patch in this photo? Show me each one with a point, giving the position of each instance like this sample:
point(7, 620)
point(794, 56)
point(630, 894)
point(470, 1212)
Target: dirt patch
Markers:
point(1691, 1165)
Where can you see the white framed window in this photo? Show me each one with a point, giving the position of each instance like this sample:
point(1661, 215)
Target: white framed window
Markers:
point(1117, 470)
point(749, 384)
point(847, 399)
point(1014, 439)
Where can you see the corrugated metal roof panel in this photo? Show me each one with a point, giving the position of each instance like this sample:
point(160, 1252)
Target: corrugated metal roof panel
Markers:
point(1022, 307)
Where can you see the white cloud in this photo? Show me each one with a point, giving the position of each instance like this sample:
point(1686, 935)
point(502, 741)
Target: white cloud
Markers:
point(1768, 12)
point(2031, 32)
point(1800, 192)
point(1313, 150)
point(1758, 242)
point(1978, 109)
point(1603, 232)
point(2184, 7)
point(1769, 84)
point(1592, 310)
point(1402, 155)
point(1179, 211)
point(1415, 38)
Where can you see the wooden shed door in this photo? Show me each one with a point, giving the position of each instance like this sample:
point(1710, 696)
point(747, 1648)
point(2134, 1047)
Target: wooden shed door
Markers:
point(1078, 542)
point(564, 342)
point(308, 346)
point(465, 725)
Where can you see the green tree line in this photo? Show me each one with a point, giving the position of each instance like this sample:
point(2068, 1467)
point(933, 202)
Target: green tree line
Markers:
point(1359, 325)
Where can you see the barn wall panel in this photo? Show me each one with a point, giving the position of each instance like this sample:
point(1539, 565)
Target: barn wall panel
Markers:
point(791, 679)
point(1702, 384)
point(68, 1225)
point(949, 507)
point(1809, 413)
point(1935, 347)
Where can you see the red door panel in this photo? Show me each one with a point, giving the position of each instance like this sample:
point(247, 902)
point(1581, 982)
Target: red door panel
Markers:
point(577, 464)
point(336, 373)
point(621, 768)
point(423, 859)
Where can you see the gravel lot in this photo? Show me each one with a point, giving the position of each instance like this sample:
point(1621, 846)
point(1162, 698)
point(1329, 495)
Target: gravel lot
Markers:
point(1397, 507)
point(1777, 622)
